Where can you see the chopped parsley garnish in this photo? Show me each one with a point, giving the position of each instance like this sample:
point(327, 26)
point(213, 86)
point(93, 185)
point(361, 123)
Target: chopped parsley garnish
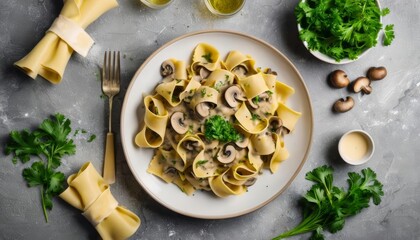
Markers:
point(203, 92)
point(256, 99)
point(91, 138)
point(255, 116)
point(269, 92)
point(217, 128)
point(207, 57)
point(200, 162)
point(341, 29)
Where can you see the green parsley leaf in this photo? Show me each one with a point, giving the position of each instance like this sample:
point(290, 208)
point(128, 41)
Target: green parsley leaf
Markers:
point(326, 206)
point(49, 143)
point(389, 34)
point(207, 56)
point(200, 162)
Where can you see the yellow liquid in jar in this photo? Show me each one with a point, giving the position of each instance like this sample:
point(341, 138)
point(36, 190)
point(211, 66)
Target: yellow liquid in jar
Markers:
point(226, 6)
point(354, 146)
point(158, 2)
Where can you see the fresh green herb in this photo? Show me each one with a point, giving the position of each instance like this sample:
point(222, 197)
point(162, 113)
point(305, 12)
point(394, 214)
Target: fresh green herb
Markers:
point(226, 77)
point(49, 142)
point(255, 117)
point(269, 92)
point(217, 128)
point(91, 138)
point(389, 34)
point(76, 132)
point(191, 129)
point(200, 162)
point(178, 80)
point(207, 57)
point(203, 92)
point(326, 206)
point(340, 29)
point(256, 99)
point(155, 110)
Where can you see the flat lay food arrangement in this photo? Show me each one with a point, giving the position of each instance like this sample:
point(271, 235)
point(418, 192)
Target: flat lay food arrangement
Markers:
point(168, 119)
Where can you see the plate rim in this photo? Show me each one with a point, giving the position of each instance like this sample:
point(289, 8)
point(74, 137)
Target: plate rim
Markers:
point(239, 213)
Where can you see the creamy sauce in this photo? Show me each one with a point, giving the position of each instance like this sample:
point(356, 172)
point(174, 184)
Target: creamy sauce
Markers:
point(354, 146)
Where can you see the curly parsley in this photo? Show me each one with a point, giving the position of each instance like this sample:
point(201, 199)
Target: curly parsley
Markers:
point(217, 128)
point(341, 29)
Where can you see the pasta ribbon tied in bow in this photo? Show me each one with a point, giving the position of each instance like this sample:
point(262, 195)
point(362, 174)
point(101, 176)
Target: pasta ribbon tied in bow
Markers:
point(50, 56)
point(88, 192)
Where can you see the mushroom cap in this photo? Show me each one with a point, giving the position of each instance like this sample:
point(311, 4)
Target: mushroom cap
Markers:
point(242, 143)
point(250, 182)
point(191, 145)
point(204, 73)
point(167, 68)
point(362, 84)
point(276, 125)
point(178, 123)
point(339, 79)
point(227, 154)
point(233, 95)
point(203, 109)
point(344, 105)
point(241, 70)
point(377, 73)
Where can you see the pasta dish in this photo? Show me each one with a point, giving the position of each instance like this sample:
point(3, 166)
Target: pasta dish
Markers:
point(216, 124)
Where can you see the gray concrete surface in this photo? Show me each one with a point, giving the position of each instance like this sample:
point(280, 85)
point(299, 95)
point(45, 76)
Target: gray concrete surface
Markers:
point(390, 114)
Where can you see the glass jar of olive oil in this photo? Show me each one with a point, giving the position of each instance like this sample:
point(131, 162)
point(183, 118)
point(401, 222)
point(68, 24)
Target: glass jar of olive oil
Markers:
point(224, 8)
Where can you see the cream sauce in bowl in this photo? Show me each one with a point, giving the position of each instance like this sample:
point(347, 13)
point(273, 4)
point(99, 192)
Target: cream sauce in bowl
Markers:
point(356, 147)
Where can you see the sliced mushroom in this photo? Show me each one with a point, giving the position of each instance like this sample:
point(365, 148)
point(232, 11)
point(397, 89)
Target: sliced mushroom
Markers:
point(242, 143)
point(167, 68)
point(191, 145)
point(362, 84)
point(241, 70)
point(344, 105)
point(234, 95)
point(269, 71)
point(227, 154)
point(178, 122)
point(250, 182)
point(339, 79)
point(276, 125)
point(170, 171)
point(252, 104)
point(376, 73)
point(203, 109)
point(204, 73)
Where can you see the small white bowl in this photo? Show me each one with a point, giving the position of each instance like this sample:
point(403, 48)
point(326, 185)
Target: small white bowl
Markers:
point(356, 147)
point(328, 59)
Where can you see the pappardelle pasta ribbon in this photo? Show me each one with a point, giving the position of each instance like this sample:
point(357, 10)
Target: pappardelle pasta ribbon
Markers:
point(50, 56)
point(88, 192)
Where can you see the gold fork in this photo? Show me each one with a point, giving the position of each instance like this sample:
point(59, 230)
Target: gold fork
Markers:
point(110, 87)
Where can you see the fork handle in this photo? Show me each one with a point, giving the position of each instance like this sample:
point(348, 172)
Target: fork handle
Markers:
point(109, 163)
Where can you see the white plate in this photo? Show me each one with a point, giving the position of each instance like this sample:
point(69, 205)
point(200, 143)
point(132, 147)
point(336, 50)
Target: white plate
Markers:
point(205, 204)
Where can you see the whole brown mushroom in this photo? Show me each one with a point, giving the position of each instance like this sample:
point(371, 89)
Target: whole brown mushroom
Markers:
point(376, 73)
point(344, 105)
point(339, 79)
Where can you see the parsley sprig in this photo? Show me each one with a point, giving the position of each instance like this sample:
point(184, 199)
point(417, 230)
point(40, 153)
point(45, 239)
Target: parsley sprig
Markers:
point(49, 143)
point(326, 206)
point(341, 29)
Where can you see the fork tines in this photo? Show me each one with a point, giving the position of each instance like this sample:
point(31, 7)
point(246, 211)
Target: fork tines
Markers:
point(111, 73)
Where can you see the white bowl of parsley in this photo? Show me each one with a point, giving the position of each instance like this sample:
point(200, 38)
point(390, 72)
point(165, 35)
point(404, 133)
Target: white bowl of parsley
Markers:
point(339, 32)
